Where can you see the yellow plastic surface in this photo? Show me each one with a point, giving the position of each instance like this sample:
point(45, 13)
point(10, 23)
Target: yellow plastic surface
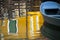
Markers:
point(21, 29)
point(35, 19)
point(33, 32)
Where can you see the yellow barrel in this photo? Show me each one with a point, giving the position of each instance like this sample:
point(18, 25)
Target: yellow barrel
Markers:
point(20, 26)
point(35, 21)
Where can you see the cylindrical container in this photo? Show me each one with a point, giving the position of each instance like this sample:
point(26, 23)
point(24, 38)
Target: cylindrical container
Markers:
point(51, 27)
point(35, 21)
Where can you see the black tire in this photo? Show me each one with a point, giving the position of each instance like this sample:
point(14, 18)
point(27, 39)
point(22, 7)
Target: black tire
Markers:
point(50, 33)
point(45, 33)
point(51, 26)
point(51, 20)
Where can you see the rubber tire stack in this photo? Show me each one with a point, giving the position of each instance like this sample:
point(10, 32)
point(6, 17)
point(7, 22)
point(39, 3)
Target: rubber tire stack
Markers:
point(51, 27)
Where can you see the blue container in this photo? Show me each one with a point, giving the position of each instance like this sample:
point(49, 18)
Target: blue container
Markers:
point(51, 12)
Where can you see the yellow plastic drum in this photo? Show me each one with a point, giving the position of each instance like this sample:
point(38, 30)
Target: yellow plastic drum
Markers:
point(14, 29)
point(35, 21)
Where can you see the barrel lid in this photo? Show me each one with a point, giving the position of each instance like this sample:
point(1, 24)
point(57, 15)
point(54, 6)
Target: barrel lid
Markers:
point(49, 5)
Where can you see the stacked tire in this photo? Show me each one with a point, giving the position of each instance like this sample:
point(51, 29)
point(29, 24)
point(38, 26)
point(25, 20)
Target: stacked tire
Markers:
point(51, 13)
